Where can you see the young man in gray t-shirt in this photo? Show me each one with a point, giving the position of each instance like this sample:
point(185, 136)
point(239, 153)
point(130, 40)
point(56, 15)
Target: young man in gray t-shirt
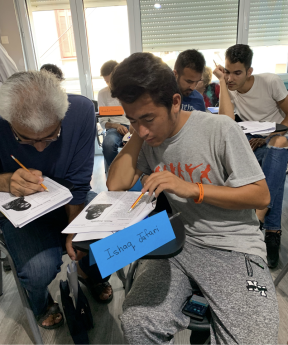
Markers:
point(183, 154)
point(262, 97)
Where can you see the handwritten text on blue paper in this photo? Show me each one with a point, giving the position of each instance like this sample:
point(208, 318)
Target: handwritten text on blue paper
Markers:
point(125, 246)
point(142, 237)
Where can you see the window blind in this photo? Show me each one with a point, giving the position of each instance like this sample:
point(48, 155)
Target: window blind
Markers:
point(268, 23)
point(180, 25)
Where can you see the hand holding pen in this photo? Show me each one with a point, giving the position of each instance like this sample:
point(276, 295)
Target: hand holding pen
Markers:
point(25, 182)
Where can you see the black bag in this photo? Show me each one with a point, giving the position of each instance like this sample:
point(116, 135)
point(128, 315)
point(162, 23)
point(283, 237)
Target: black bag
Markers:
point(79, 320)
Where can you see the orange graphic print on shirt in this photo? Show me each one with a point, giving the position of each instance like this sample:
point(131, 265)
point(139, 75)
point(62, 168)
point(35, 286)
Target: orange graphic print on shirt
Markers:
point(189, 169)
point(180, 171)
point(172, 168)
point(204, 174)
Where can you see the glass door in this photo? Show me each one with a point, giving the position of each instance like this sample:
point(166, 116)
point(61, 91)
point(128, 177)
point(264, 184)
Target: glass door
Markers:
point(108, 36)
point(53, 37)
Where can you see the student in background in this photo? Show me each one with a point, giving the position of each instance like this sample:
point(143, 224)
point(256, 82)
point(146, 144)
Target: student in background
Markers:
point(188, 71)
point(53, 69)
point(54, 135)
point(224, 252)
point(209, 91)
point(262, 97)
point(116, 126)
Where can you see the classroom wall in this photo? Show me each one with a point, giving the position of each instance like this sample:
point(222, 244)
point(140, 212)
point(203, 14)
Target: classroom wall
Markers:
point(9, 27)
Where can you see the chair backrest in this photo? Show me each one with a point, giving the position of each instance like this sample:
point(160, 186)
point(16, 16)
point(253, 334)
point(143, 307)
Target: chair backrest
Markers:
point(95, 105)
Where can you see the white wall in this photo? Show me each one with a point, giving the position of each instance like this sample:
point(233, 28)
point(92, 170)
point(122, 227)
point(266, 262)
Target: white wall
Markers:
point(9, 27)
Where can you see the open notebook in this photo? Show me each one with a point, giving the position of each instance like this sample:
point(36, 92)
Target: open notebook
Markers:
point(23, 210)
point(107, 213)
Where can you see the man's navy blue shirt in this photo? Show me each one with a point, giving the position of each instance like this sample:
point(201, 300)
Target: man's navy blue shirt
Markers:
point(194, 101)
point(71, 157)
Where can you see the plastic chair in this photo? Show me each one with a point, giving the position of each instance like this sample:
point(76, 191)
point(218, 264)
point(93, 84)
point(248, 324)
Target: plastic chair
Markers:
point(100, 135)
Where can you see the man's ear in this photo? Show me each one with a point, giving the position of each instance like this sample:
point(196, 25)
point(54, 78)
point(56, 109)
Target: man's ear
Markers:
point(175, 73)
point(176, 103)
point(249, 72)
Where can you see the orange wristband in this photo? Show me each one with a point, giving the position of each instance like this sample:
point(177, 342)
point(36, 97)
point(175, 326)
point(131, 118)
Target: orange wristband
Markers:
point(201, 195)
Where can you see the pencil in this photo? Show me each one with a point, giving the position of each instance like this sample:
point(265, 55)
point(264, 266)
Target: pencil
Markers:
point(215, 63)
point(22, 166)
point(136, 202)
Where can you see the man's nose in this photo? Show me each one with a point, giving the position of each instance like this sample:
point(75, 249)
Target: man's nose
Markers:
point(193, 86)
point(143, 132)
point(40, 146)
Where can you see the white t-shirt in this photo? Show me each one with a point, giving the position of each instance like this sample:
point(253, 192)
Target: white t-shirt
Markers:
point(259, 103)
point(105, 100)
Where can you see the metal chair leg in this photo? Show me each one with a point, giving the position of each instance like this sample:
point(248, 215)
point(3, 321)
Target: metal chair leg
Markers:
point(23, 295)
point(281, 275)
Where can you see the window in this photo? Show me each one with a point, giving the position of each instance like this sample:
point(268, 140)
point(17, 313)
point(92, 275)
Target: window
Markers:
point(169, 27)
point(268, 35)
point(53, 37)
point(108, 36)
point(65, 33)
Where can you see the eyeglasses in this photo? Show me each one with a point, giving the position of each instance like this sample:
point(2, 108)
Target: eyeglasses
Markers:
point(32, 142)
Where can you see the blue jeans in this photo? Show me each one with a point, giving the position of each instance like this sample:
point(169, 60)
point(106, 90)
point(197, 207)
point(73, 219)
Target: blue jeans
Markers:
point(273, 161)
point(36, 250)
point(112, 141)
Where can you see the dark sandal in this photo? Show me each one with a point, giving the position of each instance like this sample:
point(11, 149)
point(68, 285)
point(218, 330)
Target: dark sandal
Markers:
point(54, 309)
point(97, 289)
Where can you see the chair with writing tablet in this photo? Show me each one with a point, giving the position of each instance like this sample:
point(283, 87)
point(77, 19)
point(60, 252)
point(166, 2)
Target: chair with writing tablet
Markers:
point(22, 292)
point(201, 329)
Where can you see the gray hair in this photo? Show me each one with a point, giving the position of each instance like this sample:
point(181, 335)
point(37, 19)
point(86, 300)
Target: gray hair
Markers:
point(33, 99)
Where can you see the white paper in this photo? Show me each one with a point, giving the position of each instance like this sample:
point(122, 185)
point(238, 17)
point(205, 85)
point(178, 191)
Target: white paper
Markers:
point(23, 210)
point(109, 212)
point(95, 235)
point(256, 127)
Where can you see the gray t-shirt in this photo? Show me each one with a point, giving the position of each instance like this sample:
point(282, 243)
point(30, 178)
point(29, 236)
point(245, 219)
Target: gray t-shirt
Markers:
point(212, 150)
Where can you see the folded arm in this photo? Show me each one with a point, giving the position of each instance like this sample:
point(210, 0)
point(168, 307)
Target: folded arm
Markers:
point(123, 172)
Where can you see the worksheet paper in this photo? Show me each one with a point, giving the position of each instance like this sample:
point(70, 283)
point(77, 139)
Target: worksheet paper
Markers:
point(23, 210)
point(256, 127)
point(108, 212)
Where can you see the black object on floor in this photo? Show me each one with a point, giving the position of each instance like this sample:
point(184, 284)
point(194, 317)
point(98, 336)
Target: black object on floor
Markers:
point(79, 320)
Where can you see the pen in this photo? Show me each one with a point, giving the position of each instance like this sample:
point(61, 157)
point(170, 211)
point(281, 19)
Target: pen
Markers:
point(22, 166)
point(215, 63)
point(175, 215)
point(136, 202)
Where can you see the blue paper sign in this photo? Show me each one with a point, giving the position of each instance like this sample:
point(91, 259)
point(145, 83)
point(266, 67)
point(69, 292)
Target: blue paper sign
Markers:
point(120, 249)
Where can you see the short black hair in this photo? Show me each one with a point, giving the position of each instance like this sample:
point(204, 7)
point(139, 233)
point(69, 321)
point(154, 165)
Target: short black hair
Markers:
point(190, 58)
point(240, 53)
point(53, 69)
point(144, 73)
point(108, 67)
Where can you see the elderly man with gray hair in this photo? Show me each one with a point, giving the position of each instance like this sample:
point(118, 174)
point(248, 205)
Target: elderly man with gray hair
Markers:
point(53, 134)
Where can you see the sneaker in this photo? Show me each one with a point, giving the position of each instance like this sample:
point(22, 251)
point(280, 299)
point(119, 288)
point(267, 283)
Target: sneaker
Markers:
point(272, 240)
